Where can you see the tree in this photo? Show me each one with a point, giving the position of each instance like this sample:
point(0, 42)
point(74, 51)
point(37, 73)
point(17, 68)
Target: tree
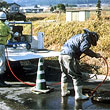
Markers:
point(61, 7)
point(3, 4)
point(36, 6)
point(99, 3)
point(99, 9)
point(52, 9)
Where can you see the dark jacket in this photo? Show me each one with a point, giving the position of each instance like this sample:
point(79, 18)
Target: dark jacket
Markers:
point(77, 45)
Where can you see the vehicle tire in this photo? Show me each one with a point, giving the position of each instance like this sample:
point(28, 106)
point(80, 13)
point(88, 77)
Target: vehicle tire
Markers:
point(28, 46)
point(15, 46)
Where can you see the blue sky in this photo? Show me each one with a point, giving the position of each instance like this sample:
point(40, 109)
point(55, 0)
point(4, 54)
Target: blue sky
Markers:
point(38, 2)
point(53, 2)
point(11, 1)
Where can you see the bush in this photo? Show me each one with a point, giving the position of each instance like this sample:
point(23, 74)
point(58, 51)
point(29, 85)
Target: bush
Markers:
point(16, 17)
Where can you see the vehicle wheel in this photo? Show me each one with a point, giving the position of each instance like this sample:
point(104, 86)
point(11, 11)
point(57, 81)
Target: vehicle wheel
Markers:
point(15, 46)
point(28, 46)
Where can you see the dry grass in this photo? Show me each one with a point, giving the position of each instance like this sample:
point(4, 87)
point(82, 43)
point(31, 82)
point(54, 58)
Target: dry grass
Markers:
point(57, 31)
point(45, 16)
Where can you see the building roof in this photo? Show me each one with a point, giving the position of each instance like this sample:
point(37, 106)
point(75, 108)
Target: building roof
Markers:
point(10, 4)
point(81, 9)
point(72, 9)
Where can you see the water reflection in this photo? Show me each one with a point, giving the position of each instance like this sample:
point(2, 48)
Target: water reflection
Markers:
point(64, 103)
point(78, 105)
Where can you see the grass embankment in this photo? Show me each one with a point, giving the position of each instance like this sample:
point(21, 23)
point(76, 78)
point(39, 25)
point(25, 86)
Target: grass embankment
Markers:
point(57, 31)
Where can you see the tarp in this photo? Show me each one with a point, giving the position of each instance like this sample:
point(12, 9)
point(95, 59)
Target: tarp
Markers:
point(24, 54)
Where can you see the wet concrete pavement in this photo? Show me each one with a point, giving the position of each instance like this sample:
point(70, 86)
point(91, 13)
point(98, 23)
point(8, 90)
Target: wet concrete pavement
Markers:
point(21, 97)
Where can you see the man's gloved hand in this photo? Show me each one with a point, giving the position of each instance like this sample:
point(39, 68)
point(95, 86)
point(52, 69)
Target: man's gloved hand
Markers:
point(85, 76)
point(98, 55)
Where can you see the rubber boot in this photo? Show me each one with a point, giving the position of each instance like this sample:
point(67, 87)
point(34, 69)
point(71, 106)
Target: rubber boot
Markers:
point(78, 93)
point(64, 90)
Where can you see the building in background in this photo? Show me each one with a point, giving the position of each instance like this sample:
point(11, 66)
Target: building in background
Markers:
point(14, 7)
point(75, 15)
point(31, 9)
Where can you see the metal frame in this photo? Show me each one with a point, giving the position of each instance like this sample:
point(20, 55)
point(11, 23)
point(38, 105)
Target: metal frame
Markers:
point(15, 43)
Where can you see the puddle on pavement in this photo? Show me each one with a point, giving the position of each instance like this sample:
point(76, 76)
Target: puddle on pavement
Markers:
point(50, 101)
point(53, 100)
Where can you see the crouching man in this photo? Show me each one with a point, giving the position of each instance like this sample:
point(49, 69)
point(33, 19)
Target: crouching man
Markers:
point(69, 58)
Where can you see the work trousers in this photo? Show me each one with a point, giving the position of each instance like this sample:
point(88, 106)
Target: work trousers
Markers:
point(70, 66)
point(2, 59)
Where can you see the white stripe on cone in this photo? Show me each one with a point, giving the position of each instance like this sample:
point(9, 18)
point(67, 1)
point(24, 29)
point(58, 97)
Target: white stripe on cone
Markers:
point(41, 81)
point(40, 72)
